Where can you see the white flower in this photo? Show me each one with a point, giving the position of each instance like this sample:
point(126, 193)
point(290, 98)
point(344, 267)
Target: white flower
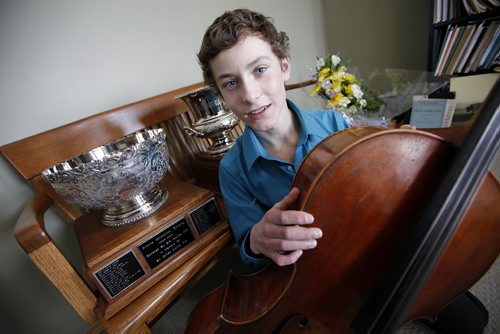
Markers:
point(356, 91)
point(327, 84)
point(320, 62)
point(344, 101)
point(335, 60)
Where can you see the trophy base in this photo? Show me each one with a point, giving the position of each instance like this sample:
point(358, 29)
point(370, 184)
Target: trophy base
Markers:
point(136, 208)
point(220, 147)
point(205, 169)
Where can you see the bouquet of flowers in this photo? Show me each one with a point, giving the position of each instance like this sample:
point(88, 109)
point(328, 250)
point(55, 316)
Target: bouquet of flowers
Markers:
point(341, 89)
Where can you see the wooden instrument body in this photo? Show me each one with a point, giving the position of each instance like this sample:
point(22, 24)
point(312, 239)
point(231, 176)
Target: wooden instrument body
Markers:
point(366, 188)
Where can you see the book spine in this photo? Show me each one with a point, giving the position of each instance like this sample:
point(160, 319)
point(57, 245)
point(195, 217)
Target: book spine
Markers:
point(448, 114)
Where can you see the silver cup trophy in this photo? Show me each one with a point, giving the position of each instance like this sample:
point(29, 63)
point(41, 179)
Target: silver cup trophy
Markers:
point(215, 120)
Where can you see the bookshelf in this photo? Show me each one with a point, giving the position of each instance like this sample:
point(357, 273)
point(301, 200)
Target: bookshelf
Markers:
point(464, 37)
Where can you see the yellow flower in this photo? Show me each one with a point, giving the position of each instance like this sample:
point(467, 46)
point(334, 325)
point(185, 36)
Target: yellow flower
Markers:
point(316, 89)
point(337, 87)
point(348, 89)
point(336, 76)
point(323, 74)
point(349, 77)
point(335, 99)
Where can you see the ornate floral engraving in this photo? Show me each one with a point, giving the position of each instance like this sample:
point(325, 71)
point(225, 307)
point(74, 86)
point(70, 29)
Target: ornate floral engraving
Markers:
point(121, 176)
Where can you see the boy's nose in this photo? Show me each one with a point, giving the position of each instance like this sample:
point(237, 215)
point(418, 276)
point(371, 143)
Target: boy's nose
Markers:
point(251, 92)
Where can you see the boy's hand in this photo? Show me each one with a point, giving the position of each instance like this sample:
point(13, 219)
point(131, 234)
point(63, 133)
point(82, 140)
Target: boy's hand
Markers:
point(282, 234)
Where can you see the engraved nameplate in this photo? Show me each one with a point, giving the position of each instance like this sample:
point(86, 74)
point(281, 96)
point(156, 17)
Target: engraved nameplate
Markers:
point(206, 216)
point(120, 274)
point(166, 243)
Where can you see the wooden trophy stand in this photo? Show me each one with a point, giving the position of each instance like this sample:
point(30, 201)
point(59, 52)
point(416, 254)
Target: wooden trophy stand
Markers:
point(205, 169)
point(124, 262)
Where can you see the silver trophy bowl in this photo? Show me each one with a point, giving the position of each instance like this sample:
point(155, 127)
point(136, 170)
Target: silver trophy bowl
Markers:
point(120, 177)
point(214, 119)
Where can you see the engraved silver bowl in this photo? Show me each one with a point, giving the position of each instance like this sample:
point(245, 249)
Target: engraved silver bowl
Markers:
point(120, 177)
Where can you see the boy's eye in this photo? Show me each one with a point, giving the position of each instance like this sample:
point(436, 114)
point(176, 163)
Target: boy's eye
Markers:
point(260, 70)
point(229, 84)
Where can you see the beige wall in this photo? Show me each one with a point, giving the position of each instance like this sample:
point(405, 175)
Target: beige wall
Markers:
point(379, 33)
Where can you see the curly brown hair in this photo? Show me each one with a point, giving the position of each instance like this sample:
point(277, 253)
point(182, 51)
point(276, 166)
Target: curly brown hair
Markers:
point(226, 31)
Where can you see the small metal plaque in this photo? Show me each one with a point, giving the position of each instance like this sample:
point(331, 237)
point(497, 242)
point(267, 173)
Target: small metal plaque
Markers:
point(206, 216)
point(120, 274)
point(166, 243)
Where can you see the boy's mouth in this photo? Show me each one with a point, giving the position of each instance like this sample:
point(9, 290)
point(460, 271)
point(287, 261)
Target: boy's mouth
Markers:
point(259, 111)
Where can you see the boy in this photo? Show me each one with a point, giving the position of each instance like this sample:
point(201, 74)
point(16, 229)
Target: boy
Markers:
point(247, 60)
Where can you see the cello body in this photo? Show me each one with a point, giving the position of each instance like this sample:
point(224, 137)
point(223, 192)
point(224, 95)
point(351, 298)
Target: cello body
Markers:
point(367, 188)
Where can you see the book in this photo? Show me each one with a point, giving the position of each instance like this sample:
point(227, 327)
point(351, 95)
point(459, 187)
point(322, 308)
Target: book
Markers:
point(470, 46)
point(444, 8)
point(478, 6)
point(457, 56)
point(491, 50)
point(454, 45)
point(440, 57)
point(445, 50)
point(437, 12)
point(467, 7)
point(481, 47)
point(432, 112)
point(439, 8)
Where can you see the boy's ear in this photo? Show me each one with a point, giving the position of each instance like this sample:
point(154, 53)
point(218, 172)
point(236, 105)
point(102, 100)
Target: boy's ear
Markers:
point(286, 68)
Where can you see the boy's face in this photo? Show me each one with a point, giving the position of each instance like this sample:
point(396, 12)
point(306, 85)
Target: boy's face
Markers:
point(251, 78)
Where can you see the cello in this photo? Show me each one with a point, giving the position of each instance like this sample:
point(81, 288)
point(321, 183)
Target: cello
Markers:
point(410, 221)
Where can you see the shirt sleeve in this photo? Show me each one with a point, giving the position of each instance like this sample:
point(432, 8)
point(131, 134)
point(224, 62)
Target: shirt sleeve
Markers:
point(243, 210)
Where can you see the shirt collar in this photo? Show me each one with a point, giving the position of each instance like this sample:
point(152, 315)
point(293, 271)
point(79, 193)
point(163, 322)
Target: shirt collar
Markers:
point(253, 149)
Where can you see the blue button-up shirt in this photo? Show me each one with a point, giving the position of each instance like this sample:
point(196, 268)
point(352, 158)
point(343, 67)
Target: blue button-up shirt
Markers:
point(252, 181)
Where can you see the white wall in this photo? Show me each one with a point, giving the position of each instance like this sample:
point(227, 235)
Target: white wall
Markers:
point(61, 60)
